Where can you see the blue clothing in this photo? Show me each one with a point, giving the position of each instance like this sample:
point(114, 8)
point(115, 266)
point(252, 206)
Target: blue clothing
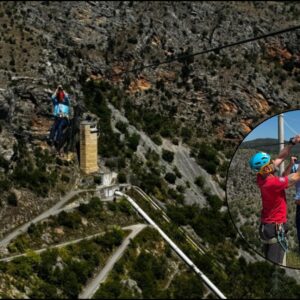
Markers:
point(294, 170)
point(61, 108)
point(297, 197)
point(53, 130)
point(61, 111)
point(298, 223)
point(57, 129)
point(62, 124)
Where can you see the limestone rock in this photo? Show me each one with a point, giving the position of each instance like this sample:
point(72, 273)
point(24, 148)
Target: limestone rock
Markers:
point(132, 285)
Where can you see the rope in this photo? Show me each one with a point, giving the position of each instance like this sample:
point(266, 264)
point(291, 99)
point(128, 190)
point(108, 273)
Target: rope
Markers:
point(215, 49)
point(281, 237)
point(289, 127)
point(275, 144)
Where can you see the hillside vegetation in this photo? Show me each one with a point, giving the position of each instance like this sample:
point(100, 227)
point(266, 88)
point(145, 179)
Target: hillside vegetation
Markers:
point(170, 129)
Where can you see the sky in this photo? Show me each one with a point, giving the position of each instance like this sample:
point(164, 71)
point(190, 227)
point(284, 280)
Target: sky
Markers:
point(269, 128)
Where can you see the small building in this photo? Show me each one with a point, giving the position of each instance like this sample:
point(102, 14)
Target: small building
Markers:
point(88, 147)
point(108, 178)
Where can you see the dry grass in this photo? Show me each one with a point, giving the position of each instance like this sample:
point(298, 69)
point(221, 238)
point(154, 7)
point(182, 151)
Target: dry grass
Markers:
point(293, 259)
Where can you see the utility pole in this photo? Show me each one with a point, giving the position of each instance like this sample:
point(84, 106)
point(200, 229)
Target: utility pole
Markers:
point(281, 139)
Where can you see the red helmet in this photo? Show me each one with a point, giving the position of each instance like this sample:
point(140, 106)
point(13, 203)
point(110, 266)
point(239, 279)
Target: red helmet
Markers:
point(60, 96)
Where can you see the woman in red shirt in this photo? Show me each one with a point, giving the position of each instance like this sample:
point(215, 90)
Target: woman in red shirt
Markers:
point(273, 225)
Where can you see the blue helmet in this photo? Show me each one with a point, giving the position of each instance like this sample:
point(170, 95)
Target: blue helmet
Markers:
point(259, 160)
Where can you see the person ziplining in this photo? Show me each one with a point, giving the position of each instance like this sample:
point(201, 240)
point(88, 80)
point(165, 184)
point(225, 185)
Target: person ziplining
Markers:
point(61, 112)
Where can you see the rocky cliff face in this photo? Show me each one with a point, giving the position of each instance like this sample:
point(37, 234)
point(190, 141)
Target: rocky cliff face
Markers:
point(220, 95)
point(162, 125)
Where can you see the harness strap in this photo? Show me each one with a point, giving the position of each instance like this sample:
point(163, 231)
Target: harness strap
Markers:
point(280, 237)
point(63, 116)
point(270, 241)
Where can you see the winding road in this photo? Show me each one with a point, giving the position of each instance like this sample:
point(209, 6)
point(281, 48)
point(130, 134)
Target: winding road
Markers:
point(54, 210)
point(10, 258)
point(90, 289)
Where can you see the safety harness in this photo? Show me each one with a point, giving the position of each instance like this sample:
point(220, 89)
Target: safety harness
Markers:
point(280, 237)
point(62, 115)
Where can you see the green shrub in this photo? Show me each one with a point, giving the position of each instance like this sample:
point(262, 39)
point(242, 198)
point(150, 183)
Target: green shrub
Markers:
point(180, 188)
point(146, 270)
point(92, 208)
point(152, 155)
point(111, 239)
point(71, 220)
point(188, 287)
point(152, 122)
point(175, 141)
point(223, 168)
point(122, 178)
point(177, 172)
point(112, 206)
point(121, 162)
point(186, 134)
point(149, 181)
point(132, 40)
point(110, 290)
point(65, 178)
point(97, 180)
point(208, 153)
point(5, 185)
point(215, 202)
point(32, 173)
point(69, 283)
point(176, 196)
point(200, 181)
point(44, 290)
point(34, 230)
point(157, 140)
point(209, 166)
point(21, 244)
point(166, 132)
point(170, 177)
point(122, 126)
point(12, 199)
point(112, 163)
point(4, 163)
point(133, 141)
point(168, 155)
point(125, 207)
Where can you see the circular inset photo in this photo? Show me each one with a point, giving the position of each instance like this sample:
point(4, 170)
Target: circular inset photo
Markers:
point(263, 189)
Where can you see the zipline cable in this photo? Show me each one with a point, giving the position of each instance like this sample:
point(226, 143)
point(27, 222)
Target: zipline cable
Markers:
point(290, 127)
point(215, 49)
point(275, 144)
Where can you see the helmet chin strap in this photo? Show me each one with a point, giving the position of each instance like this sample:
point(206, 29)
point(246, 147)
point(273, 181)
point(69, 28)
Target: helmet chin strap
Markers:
point(267, 170)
